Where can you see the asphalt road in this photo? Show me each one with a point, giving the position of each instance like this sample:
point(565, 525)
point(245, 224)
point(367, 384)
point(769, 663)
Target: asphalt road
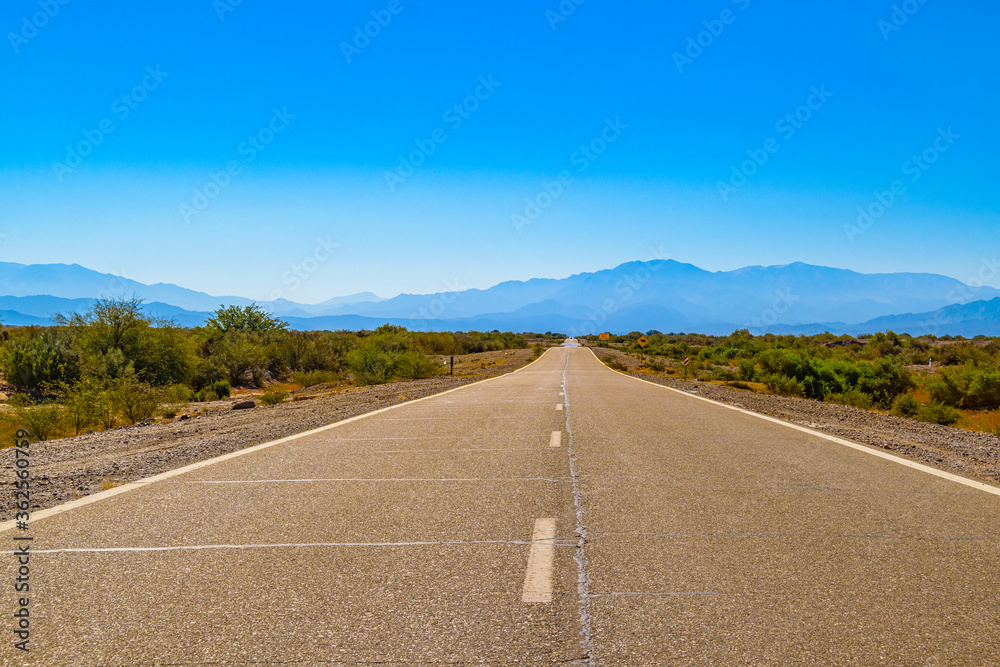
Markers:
point(561, 514)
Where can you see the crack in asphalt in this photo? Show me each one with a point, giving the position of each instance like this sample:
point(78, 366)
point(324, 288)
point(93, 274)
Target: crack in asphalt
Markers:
point(583, 577)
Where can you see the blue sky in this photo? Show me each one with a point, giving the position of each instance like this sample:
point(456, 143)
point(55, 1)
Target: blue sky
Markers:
point(724, 134)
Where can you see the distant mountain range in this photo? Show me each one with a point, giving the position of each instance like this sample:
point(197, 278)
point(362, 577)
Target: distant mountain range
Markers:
point(660, 294)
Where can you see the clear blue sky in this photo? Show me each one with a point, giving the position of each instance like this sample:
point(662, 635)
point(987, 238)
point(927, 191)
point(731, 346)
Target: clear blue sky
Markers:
point(183, 85)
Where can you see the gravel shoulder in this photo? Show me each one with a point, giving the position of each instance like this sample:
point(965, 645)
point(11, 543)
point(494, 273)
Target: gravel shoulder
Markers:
point(71, 468)
point(966, 453)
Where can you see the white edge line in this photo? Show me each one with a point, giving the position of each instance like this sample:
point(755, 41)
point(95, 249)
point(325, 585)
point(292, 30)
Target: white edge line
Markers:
point(840, 441)
point(132, 486)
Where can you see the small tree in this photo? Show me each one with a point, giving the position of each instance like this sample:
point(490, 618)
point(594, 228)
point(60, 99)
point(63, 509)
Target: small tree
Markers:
point(42, 422)
point(135, 401)
point(81, 401)
point(250, 318)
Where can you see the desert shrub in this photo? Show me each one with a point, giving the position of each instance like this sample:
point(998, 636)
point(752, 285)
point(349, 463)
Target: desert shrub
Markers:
point(414, 365)
point(272, 397)
point(983, 391)
point(884, 380)
point(221, 388)
point(655, 364)
point(177, 393)
point(721, 374)
point(746, 370)
point(43, 422)
point(783, 385)
point(205, 395)
point(616, 363)
point(853, 397)
point(905, 406)
point(135, 401)
point(936, 413)
point(740, 385)
point(81, 402)
point(35, 362)
point(313, 378)
point(945, 389)
point(536, 350)
point(372, 365)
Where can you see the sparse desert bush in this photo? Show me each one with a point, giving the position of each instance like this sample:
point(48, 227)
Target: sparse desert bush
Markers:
point(655, 364)
point(272, 397)
point(746, 370)
point(853, 397)
point(937, 413)
point(135, 401)
point(43, 422)
point(905, 406)
point(313, 378)
point(783, 385)
point(615, 363)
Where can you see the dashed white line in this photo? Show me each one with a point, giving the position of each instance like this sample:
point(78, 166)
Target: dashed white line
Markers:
point(559, 406)
point(538, 578)
point(556, 439)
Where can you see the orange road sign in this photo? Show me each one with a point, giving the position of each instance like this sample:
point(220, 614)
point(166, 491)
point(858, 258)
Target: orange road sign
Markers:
point(604, 336)
point(642, 341)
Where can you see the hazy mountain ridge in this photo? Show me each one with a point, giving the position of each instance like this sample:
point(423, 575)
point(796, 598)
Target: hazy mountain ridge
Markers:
point(660, 294)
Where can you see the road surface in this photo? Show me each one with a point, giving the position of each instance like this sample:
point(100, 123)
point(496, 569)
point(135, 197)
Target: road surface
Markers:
point(562, 514)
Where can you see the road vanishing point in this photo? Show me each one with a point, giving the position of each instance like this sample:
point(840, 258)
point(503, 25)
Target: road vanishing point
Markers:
point(562, 514)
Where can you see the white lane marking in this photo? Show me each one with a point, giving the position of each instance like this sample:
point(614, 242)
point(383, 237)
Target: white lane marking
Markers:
point(138, 484)
point(556, 439)
point(379, 479)
point(840, 441)
point(559, 406)
point(289, 545)
point(538, 578)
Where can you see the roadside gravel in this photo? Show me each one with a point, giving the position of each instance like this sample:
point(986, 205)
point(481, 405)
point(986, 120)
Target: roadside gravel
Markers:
point(966, 453)
point(67, 469)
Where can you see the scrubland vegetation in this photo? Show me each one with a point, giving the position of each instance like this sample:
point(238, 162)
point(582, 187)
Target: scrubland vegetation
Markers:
point(882, 371)
point(114, 365)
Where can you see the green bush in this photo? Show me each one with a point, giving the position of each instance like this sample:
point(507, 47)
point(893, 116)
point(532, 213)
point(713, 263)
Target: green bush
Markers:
point(905, 406)
point(372, 365)
point(272, 397)
point(135, 401)
point(221, 388)
point(313, 378)
point(414, 365)
point(853, 397)
point(35, 362)
point(43, 422)
point(655, 364)
point(936, 413)
point(783, 385)
point(746, 370)
point(536, 350)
